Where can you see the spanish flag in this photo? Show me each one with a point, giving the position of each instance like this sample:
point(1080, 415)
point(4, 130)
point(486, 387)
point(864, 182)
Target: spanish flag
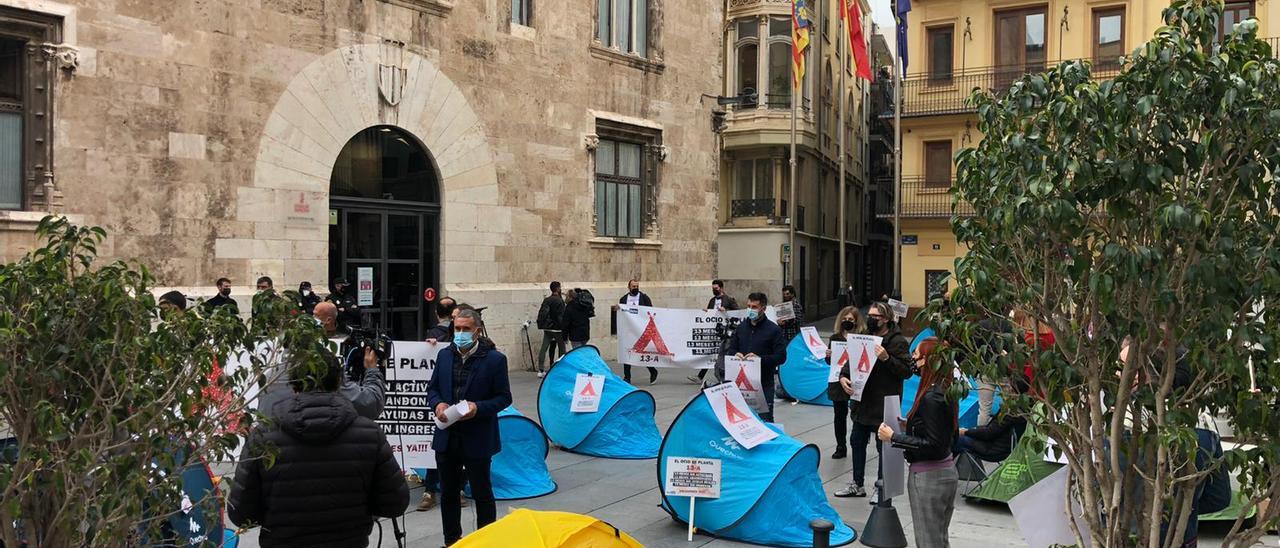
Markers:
point(851, 12)
point(801, 25)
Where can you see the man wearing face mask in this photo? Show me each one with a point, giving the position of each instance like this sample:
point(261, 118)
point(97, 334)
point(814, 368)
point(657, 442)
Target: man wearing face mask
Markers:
point(223, 298)
point(720, 302)
point(758, 337)
point(473, 371)
point(634, 297)
point(307, 299)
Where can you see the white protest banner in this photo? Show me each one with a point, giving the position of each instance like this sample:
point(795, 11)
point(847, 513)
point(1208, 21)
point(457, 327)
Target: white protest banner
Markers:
point(784, 312)
point(1041, 513)
point(839, 357)
point(899, 308)
point(407, 419)
point(587, 389)
point(862, 359)
point(668, 337)
point(814, 341)
point(364, 286)
point(745, 374)
point(894, 463)
point(693, 478)
point(731, 410)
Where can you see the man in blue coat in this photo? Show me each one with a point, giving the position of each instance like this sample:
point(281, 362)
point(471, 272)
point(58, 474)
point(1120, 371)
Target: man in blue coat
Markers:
point(758, 337)
point(475, 372)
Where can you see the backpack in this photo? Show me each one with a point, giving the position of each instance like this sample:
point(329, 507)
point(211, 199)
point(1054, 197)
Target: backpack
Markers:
point(545, 321)
point(587, 301)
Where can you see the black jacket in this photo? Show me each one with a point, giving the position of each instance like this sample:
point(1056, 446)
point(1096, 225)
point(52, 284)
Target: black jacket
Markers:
point(763, 339)
point(333, 472)
point(725, 300)
point(553, 306)
point(644, 299)
point(885, 380)
point(348, 312)
point(576, 322)
point(441, 332)
point(308, 302)
point(995, 441)
point(931, 431)
point(219, 301)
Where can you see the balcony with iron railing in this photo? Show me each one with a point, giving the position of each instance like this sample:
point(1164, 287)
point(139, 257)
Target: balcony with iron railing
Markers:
point(923, 199)
point(758, 207)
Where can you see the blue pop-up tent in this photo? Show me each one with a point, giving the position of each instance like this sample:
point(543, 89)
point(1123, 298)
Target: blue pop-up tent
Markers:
point(804, 376)
point(623, 427)
point(520, 470)
point(768, 494)
point(968, 406)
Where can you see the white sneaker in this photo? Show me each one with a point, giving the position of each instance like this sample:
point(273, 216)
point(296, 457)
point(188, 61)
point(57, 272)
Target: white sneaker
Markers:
point(541, 374)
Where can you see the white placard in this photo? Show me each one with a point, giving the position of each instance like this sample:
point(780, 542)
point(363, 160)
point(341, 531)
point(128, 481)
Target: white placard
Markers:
point(745, 374)
point(899, 308)
point(862, 360)
point(407, 418)
point(452, 414)
point(736, 418)
point(691, 477)
point(587, 389)
point(839, 357)
point(814, 341)
point(1041, 512)
point(894, 462)
point(364, 286)
point(784, 312)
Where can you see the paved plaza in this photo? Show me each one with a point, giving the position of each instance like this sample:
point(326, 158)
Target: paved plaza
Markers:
point(625, 492)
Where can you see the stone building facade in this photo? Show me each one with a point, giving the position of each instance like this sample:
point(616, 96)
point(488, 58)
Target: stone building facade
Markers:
point(480, 148)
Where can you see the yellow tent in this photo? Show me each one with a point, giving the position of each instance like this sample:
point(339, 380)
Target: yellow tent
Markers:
point(527, 528)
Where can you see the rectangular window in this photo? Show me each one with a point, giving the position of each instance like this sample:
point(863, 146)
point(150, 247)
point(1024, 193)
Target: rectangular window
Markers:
point(935, 283)
point(1108, 37)
point(623, 25)
point(1020, 43)
point(940, 54)
point(748, 51)
point(937, 164)
point(1234, 12)
point(625, 179)
point(11, 113)
point(520, 12)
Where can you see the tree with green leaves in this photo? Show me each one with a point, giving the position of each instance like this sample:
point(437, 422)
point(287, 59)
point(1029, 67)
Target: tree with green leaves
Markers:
point(1137, 212)
point(110, 396)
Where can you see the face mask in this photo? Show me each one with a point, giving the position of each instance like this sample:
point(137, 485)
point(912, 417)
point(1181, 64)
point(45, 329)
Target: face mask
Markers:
point(753, 314)
point(873, 324)
point(225, 292)
point(847, 325)
point(463, 339)
point(306, 292)
point(635, 292)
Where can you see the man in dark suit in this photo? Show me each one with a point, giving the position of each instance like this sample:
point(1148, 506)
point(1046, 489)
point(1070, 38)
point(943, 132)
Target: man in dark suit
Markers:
point(722, 302)
point(475, 372)
point(633, 297)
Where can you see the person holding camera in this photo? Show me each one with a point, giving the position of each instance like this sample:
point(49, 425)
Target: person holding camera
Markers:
point(369, 394)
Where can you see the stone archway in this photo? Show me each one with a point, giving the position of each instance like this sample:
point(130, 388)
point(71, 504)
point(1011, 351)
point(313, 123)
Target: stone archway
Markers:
point(330, 100)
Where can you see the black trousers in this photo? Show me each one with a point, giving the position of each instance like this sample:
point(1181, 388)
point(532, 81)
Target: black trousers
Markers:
point(626, 372)
point(841, 421)
point(453, 466)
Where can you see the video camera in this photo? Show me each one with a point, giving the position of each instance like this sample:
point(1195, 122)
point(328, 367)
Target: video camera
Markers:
point(725, 329)
point(357, 342)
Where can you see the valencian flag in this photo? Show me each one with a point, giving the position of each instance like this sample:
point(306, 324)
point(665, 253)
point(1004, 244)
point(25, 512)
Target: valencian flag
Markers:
point(851, 12)
point(801, 25)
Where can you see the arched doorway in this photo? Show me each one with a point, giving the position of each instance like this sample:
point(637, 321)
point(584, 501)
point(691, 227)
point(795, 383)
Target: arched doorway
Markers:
point(384, 212)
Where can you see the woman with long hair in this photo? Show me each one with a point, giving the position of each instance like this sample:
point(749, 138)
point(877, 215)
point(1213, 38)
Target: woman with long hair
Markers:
point(927, 437)
point(848, 322)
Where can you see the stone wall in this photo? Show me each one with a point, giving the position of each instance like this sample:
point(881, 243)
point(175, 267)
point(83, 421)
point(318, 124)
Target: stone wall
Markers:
point(202, 135)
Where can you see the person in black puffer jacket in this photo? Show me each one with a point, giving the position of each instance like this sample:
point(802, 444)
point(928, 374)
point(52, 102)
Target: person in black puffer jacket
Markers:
point(927, 439)
point(333, 470)
point(577, 317)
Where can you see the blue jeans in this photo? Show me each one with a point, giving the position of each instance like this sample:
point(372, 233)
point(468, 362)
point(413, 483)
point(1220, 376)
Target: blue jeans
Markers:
point(859, 435)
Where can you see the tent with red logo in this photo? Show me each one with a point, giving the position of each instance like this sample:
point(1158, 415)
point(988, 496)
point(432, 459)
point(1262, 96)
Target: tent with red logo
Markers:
point(768, 494)
point(622, 427)
point(804, 376)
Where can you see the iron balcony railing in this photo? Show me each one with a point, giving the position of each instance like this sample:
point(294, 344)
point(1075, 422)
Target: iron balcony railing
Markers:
point(782, 101)
point(948, 93)
point(923, 199)
point(762, 207)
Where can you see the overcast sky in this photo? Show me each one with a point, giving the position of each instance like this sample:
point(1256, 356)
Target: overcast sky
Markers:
point(882, 14)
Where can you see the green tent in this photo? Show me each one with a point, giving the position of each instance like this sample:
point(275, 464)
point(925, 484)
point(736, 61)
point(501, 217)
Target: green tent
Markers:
point(1232, 512)
point(1024, 467)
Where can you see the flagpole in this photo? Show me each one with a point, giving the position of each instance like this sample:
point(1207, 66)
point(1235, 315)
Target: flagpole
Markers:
point(788, 274)
point(897, 160)
point(842, 46)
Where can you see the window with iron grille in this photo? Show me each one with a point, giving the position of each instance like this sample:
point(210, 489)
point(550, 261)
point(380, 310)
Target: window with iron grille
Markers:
point(625, 177)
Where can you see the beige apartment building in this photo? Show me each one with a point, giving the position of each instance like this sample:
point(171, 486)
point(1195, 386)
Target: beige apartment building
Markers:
point(479, 148)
